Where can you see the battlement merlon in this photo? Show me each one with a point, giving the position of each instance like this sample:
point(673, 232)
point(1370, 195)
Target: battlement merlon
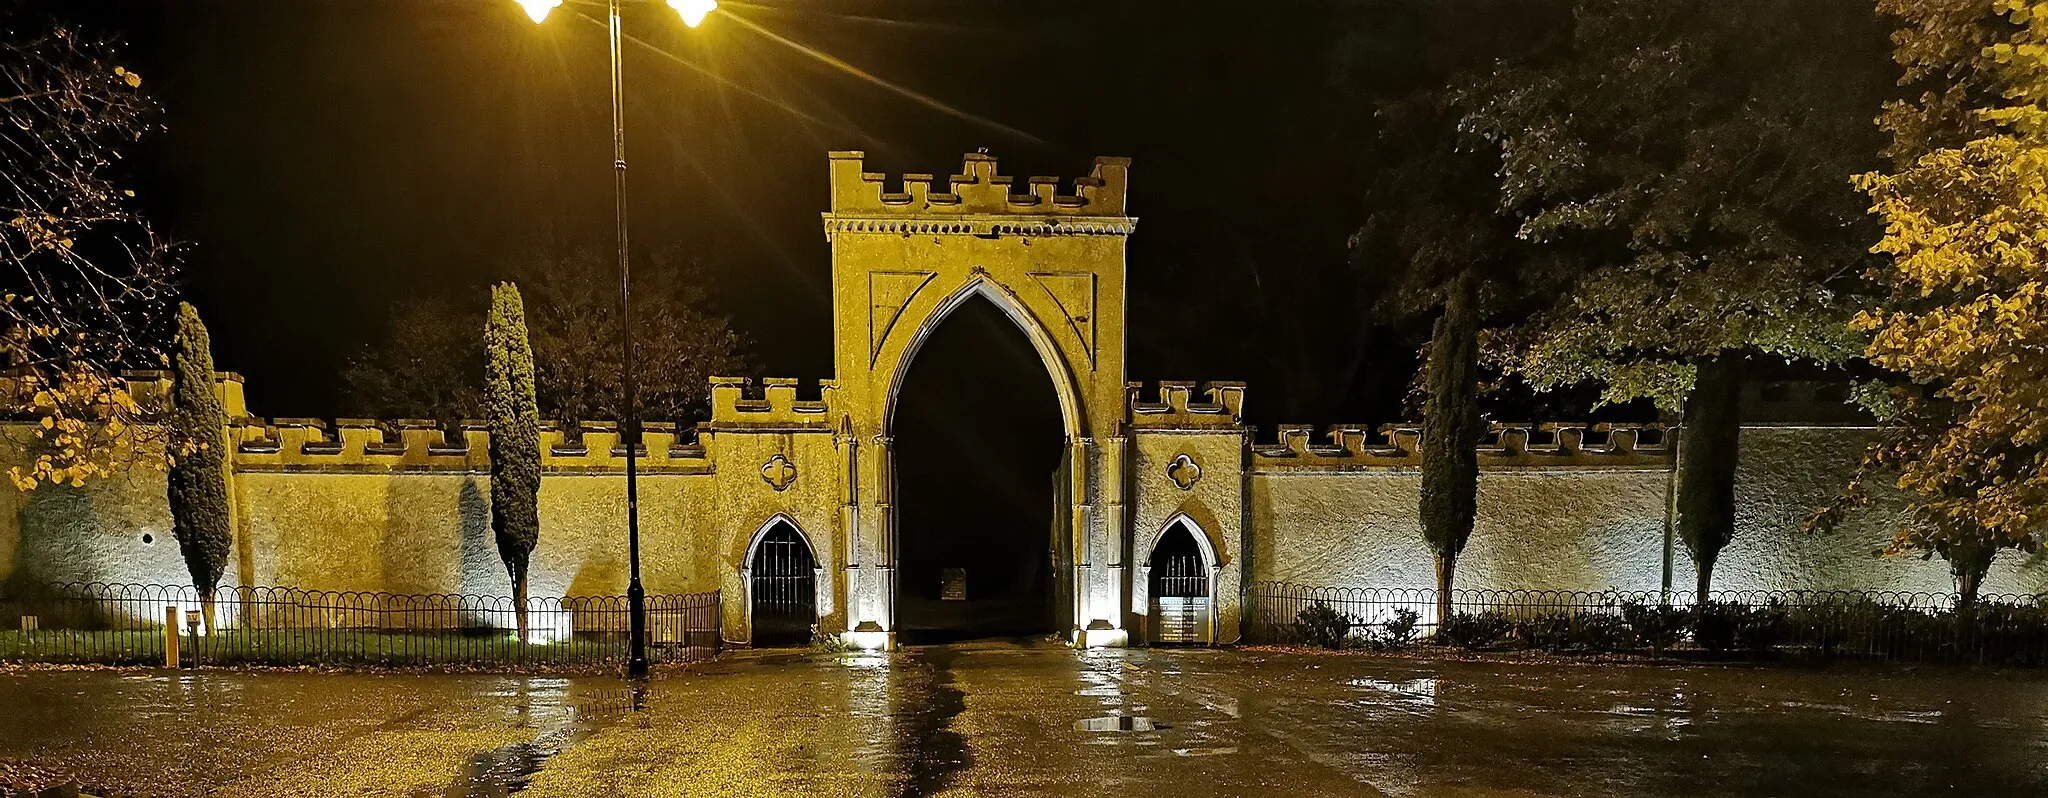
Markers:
point(978, 191)
point(1177, 409)
point(150, 389)
point(738, 403)
point(1509, 446)
point(355, 444)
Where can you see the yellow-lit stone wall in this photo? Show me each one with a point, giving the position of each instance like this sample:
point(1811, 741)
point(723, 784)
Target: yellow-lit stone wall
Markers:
point(1188, 467)
point(1590, 527)
point(403, 506)
point(777, 457)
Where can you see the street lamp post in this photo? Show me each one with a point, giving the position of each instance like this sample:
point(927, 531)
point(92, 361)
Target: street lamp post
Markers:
point(692, 12)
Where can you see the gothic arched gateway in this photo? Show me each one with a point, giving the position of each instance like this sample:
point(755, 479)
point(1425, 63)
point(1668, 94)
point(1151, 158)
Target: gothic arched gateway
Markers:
point(907, 254)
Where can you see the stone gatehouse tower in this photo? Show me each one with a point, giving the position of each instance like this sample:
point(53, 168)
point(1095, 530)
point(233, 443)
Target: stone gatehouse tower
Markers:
point(1053, 263)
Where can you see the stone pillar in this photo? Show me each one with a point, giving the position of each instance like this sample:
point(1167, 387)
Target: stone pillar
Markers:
point(882, 581)
point(1113, 468)
point(849, 520)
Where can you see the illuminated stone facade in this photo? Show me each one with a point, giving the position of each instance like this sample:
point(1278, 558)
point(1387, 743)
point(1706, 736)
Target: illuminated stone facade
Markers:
point(404, 507)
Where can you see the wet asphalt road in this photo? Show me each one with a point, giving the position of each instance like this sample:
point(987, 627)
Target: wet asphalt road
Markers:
point(999, 719)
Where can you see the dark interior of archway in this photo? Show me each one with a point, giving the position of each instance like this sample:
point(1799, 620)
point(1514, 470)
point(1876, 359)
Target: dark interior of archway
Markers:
point(1176, 565)
point(978, 436)
point(1177, 544)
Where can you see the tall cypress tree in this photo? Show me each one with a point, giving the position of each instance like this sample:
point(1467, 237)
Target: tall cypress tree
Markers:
point(198, 484)
point(515, 438)
point(1451, 429)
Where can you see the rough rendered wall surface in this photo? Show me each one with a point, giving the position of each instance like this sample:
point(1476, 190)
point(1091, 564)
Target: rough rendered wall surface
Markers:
point(95, 533)
point(1536, 529)
point(1788, 471)
point(405, 532)
point(430, 533)
point(1591, 530)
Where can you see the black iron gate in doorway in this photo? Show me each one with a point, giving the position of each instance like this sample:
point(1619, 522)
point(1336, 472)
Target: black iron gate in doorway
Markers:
point(1180, 590)
point(783, 589)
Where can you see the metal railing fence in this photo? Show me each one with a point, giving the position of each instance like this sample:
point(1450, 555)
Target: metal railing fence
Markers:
point(1825, 624)
point(125, 624)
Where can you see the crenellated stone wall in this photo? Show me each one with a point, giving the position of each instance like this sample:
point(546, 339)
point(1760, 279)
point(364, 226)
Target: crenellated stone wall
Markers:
point(403, 506)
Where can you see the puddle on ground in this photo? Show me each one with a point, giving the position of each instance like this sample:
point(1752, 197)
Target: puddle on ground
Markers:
point(500, 772)
point(1118, 723)
point(505, 770)
point(1098, 692)
point(1421, 691)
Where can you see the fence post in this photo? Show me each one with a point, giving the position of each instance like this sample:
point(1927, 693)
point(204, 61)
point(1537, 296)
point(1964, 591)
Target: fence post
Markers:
point(171, 636)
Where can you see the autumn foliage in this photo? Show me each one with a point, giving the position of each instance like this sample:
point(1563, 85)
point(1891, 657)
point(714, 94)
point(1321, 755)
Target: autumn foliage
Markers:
point(1966, 322)
point(86, 288)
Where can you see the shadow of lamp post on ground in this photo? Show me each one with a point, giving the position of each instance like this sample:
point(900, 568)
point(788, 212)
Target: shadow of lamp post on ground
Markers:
point(693, 13)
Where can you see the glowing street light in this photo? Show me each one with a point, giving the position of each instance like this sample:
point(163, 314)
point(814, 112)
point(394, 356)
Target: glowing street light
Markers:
point(692, 11)
point(538, 9)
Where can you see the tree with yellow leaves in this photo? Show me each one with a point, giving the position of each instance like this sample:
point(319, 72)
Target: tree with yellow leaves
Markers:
point(1965, 324)
point(85, 288)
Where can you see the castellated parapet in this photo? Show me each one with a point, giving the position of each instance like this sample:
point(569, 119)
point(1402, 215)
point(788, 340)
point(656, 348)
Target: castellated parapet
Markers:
point(771, 404)
point(1507, 446)
point(150, 389)
point(977, 201)
point(356, 444)
point(1222, 408)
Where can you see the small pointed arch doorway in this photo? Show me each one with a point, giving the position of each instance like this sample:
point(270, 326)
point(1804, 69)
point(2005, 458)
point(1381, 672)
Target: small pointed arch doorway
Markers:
point(1180, 582)
point(782, 585)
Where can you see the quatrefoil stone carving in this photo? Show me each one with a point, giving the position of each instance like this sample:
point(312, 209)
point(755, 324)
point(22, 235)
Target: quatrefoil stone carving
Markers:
point(1184, 472)
point(779, 473)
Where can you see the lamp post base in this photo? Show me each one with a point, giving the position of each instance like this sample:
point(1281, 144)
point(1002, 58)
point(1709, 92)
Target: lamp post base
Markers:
point(636, 607)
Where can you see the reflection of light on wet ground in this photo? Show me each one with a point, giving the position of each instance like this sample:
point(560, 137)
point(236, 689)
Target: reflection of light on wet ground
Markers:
point(868, 705)
point(1228, 749)
point(1422, 691)
point(1104, 670)
point(1118, 723)
point(564, 717)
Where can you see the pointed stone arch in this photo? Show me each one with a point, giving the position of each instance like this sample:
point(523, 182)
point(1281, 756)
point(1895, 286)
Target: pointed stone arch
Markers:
point(761, 532)
point(1007, 301)
point(812, 586)
point(1211, 570)
point(1203, 540)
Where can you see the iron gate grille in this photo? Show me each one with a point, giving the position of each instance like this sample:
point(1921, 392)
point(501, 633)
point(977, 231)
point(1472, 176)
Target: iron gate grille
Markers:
point(1180, 598)
point(784, 590)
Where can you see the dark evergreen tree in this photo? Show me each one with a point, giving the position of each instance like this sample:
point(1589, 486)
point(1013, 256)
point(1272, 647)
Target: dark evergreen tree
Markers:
point(197, 444)
point(1451, 429)
point(515, 438)
point(1433, 244)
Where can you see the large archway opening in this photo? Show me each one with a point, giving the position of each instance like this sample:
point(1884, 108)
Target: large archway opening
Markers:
point(978, 439)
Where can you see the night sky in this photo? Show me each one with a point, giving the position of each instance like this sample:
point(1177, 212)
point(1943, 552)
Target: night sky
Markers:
point(327, 157)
